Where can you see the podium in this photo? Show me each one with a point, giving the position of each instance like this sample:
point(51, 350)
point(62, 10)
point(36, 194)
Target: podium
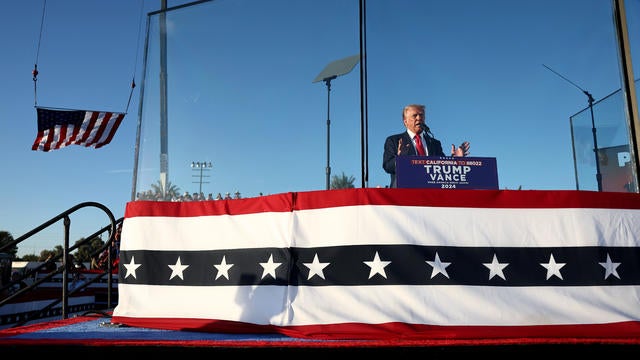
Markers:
point(446, 172)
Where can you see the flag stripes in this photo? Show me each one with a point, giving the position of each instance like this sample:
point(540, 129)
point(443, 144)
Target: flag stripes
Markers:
point(60, 128)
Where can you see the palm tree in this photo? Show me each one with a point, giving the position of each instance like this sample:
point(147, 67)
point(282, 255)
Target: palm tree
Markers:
point(342, 182)
point(173, 191)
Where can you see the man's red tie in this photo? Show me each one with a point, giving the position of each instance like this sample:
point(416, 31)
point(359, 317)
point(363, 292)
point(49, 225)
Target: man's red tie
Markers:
point(419, 146)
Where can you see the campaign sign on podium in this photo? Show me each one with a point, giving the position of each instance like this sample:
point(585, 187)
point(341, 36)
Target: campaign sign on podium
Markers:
point(446, 172)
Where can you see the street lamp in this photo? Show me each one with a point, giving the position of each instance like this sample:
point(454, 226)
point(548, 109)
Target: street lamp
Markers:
point(201, 167)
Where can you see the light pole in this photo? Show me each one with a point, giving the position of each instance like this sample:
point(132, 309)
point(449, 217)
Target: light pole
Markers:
point(330, 72)
point(201, 167)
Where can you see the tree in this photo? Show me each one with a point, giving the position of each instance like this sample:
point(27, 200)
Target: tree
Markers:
point(30, 257)
point(84, 252)
point(342, 181)
point(173, 191)
point(5, 238)
point(44, 254)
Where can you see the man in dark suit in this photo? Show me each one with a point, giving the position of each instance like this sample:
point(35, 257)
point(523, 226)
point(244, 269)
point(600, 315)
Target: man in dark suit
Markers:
point(406, 142)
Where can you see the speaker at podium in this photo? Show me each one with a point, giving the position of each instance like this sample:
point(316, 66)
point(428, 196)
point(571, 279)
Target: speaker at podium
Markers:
point(447, 172)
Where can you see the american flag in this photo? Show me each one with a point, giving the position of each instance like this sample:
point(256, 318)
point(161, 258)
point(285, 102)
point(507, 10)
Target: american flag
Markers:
point(387, 263)
point(58, 128)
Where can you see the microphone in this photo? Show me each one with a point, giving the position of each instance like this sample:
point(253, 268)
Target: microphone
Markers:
point(425, 128)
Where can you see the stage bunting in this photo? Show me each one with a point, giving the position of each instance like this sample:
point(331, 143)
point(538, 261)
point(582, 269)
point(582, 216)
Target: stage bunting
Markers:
point(378, 264)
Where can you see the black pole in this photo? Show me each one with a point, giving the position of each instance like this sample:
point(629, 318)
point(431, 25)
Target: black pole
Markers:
point(593, 126)
point(595, 141)
point(628, 89)
point(164, 120)
point(330, 72)
point(364, 122)
point(66, 270)
point(328, 171)
point(111, 257)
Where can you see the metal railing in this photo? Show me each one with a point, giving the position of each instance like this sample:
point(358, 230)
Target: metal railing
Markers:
point(67, 265)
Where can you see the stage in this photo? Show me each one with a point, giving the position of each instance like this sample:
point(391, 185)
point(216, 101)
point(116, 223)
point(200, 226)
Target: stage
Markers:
point(94, 334)
point(379, 271)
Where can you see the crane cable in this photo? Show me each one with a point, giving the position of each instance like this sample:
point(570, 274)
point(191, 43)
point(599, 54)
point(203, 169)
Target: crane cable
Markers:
point(35, 72)
point(135, 64)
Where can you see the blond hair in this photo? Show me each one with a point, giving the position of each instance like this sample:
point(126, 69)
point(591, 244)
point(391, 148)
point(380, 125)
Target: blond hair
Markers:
point(412, 106)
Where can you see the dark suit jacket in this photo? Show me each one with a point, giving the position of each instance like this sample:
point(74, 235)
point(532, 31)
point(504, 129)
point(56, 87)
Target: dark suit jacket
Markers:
point(391, 151)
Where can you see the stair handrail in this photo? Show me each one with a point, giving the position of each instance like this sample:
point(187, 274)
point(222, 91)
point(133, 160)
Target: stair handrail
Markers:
point(66, 265)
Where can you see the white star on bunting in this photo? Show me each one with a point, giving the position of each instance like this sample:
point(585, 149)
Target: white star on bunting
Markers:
point(131, 268)
point(177, 269)
point(495, 268)
point(269, 268)
point(610, 268)
point(316, 267)
point(223, 268)
point(377, 266)
point(439, 267)
point(553, 268)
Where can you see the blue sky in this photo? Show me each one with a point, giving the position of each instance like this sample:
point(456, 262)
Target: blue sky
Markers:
point(241, 93)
